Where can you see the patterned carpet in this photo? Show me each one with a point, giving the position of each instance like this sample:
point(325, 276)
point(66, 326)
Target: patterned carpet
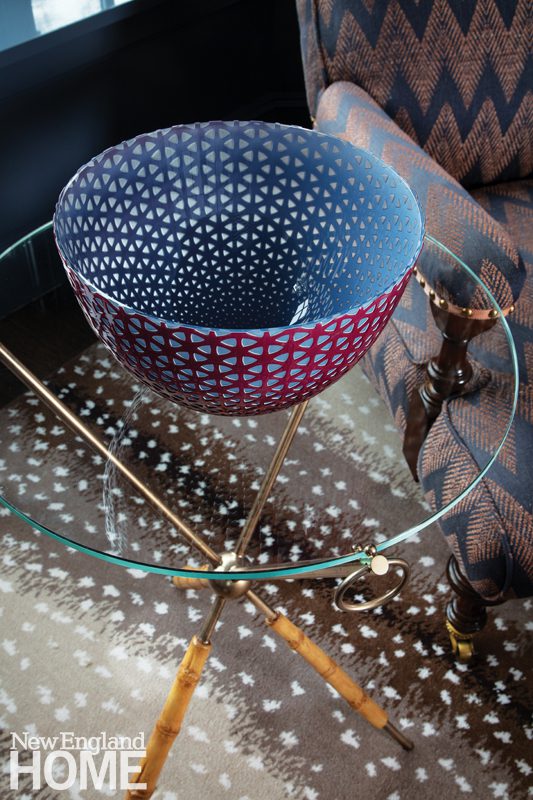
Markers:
point(88, 646)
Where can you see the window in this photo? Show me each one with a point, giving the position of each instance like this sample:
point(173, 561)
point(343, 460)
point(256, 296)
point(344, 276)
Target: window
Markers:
point(22, 20)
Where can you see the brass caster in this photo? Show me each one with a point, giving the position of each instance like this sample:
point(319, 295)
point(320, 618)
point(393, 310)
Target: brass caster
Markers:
point(462, 644)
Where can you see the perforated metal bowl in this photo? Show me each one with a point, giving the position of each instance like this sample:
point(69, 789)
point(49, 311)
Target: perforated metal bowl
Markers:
point(237, 267)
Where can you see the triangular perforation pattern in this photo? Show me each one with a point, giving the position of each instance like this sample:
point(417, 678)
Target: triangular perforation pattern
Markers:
point(180, 241)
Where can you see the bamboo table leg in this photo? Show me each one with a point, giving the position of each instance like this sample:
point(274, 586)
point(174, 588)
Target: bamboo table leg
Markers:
point(168, 725)
point(191, 583)
point(330, 671)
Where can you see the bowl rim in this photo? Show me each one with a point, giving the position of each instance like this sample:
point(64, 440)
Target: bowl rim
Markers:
point(275, 330)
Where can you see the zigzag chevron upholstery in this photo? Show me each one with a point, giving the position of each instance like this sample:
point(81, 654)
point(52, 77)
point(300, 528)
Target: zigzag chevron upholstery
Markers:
point(452, 215)
point(441, 90)
point(491, 532)
point(455, 75)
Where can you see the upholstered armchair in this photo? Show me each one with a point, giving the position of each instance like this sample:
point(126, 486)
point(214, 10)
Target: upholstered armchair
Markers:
point(441, 90)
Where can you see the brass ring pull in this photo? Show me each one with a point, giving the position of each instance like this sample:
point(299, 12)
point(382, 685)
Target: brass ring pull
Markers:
point(366, 605)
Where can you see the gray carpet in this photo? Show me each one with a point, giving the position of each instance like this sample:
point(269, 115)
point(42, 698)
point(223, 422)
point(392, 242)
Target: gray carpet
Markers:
point(88, 646)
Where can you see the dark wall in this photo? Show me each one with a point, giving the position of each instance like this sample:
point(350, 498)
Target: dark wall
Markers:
point(147, 64)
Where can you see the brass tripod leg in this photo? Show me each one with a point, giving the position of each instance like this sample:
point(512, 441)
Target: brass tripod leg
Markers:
point(330, 671)
point(261, 498)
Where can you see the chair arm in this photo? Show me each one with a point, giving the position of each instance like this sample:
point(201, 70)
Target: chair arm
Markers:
point(452, 215)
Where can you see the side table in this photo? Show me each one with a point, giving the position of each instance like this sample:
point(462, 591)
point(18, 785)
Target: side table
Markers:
point(198, 512)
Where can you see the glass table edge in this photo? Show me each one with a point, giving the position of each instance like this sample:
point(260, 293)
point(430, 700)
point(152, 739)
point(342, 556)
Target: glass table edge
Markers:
point(514, 360)
point(25, 239)
point(287, 570)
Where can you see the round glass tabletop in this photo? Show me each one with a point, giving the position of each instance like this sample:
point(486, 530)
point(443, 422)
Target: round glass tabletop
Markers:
point(134, 479)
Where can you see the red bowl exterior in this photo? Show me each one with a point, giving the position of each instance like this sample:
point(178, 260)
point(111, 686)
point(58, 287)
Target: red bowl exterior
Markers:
point(235, 372)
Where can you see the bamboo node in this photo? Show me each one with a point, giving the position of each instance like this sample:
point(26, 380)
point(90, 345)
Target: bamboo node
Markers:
point(188, 676)
point(167, 730)
point(360, 702)
point(295, 642)
point(330, 670)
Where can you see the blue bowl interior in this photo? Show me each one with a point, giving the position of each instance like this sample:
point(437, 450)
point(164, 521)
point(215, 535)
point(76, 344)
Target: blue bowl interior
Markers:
point(238, 225)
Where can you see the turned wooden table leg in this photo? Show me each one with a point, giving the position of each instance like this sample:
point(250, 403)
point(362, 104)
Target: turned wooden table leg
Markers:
point(330, 671)
point(169, 723)
point(446, 375)
point(466, 613)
